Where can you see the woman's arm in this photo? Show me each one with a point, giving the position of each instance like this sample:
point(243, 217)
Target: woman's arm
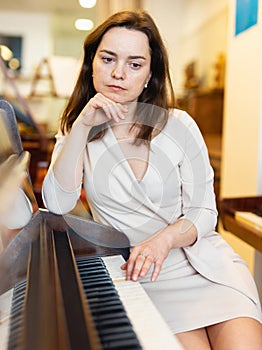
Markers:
point(197, 181)
point(68, 165)
point(156, 248)
point(62, 184)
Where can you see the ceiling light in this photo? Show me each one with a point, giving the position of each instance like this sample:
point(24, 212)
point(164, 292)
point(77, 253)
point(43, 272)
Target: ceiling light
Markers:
point(14, 64)
point(87, 3)
point(6, 53)
point(84, 24)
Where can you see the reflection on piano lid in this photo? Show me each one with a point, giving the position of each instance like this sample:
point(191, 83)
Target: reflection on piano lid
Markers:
point(17, 198)
point(61, 283)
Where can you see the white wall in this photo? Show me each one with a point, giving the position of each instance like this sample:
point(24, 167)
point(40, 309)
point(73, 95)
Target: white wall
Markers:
point(259, 185)
point(241, 171)
point(193, 30)
point(170, 23)
point(35, 29)
point(242, 134)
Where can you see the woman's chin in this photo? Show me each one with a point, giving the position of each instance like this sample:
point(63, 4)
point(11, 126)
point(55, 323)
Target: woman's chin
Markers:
point(117, 97)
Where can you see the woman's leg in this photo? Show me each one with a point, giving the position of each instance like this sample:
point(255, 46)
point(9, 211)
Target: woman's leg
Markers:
point(196, 339)
point(236, 334)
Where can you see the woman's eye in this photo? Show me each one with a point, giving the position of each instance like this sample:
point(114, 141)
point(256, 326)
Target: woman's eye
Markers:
point(135, 65)
point(107, 59)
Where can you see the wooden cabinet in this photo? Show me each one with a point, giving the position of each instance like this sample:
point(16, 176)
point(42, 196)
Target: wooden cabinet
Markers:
point(206, 107)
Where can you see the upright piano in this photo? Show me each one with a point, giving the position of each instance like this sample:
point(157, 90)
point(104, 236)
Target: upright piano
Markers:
point(243, 217)
point(61, 284)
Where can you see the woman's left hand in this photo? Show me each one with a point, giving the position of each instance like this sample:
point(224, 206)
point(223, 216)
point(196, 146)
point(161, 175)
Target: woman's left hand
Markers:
point(152, 251)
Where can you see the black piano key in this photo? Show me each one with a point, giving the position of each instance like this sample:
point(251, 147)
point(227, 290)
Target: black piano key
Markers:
point(97, 309)
point(116, 336)
point(97, 279)
point(114, 328)
point(104, 316)
point(127, 344)
point(96, 293)
point(93, 272)
point(105, 332)
point(105, 302)
point(117, 322)
point(94, 302)
point(97, 283)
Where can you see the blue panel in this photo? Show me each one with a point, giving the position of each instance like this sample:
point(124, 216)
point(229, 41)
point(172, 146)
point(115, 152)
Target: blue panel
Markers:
point(246, 15)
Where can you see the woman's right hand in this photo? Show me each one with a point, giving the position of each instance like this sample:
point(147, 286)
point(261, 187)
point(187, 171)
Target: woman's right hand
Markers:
point(101, 109)
point(70, 160)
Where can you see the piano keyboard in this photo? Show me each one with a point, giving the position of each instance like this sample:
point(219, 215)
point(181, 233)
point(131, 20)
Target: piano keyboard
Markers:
point(149, 326)
point(124, 315)
point(114, 328)
point(11, 303)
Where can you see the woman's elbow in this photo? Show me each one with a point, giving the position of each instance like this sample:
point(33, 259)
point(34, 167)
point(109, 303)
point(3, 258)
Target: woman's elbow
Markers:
point(56, 200)
point(56, 206)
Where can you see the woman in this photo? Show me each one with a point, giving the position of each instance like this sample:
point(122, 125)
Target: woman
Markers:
point(145, 171)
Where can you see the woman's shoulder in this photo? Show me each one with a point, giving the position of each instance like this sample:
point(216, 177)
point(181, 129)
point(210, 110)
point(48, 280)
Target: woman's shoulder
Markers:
point(180, 116)
point(181, 123)
point(60, 137)
point(178, 120)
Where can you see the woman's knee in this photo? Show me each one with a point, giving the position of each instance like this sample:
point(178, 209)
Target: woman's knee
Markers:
point(239, 333)
point(196, 339)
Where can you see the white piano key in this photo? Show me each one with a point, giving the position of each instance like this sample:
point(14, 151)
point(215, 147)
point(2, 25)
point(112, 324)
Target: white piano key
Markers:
point(151, 329)
point(5, 307)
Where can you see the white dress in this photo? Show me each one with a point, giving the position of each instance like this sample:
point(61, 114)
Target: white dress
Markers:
point(199, 285)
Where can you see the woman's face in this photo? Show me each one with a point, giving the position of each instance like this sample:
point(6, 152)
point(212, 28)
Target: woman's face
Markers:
point(121, 66)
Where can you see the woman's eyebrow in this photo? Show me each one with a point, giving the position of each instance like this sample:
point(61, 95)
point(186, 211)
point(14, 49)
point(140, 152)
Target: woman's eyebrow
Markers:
point(130, 57)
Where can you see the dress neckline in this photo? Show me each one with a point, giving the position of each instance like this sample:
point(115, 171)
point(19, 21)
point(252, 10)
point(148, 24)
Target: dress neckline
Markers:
point(127, 164)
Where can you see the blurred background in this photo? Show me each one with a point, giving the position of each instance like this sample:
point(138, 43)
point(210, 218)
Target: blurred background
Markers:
point(195, 33)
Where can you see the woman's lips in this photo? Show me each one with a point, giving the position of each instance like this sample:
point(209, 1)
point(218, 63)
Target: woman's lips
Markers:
point(116, 87)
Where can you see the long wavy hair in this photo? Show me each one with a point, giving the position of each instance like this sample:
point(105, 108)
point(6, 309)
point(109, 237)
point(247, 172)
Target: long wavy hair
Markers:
point(158, 93)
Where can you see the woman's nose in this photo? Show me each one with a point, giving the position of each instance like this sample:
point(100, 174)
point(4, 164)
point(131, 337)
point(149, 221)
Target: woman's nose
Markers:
point(119, 71)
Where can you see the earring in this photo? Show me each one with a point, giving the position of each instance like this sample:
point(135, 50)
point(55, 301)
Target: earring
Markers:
point(146, 84)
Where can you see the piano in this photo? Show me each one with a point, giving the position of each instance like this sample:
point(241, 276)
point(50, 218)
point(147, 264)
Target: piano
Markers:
point(248, 228)
point(61, 284)
point(242, 216)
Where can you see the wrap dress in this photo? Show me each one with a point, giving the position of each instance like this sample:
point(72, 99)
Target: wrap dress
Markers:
point(199, 285)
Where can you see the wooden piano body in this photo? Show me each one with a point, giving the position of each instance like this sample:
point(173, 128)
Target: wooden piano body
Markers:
point(249, 234)
point(248, 231)
point(62, 287)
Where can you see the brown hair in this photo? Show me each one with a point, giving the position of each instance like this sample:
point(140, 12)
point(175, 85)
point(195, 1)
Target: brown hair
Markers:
point(159, 91)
